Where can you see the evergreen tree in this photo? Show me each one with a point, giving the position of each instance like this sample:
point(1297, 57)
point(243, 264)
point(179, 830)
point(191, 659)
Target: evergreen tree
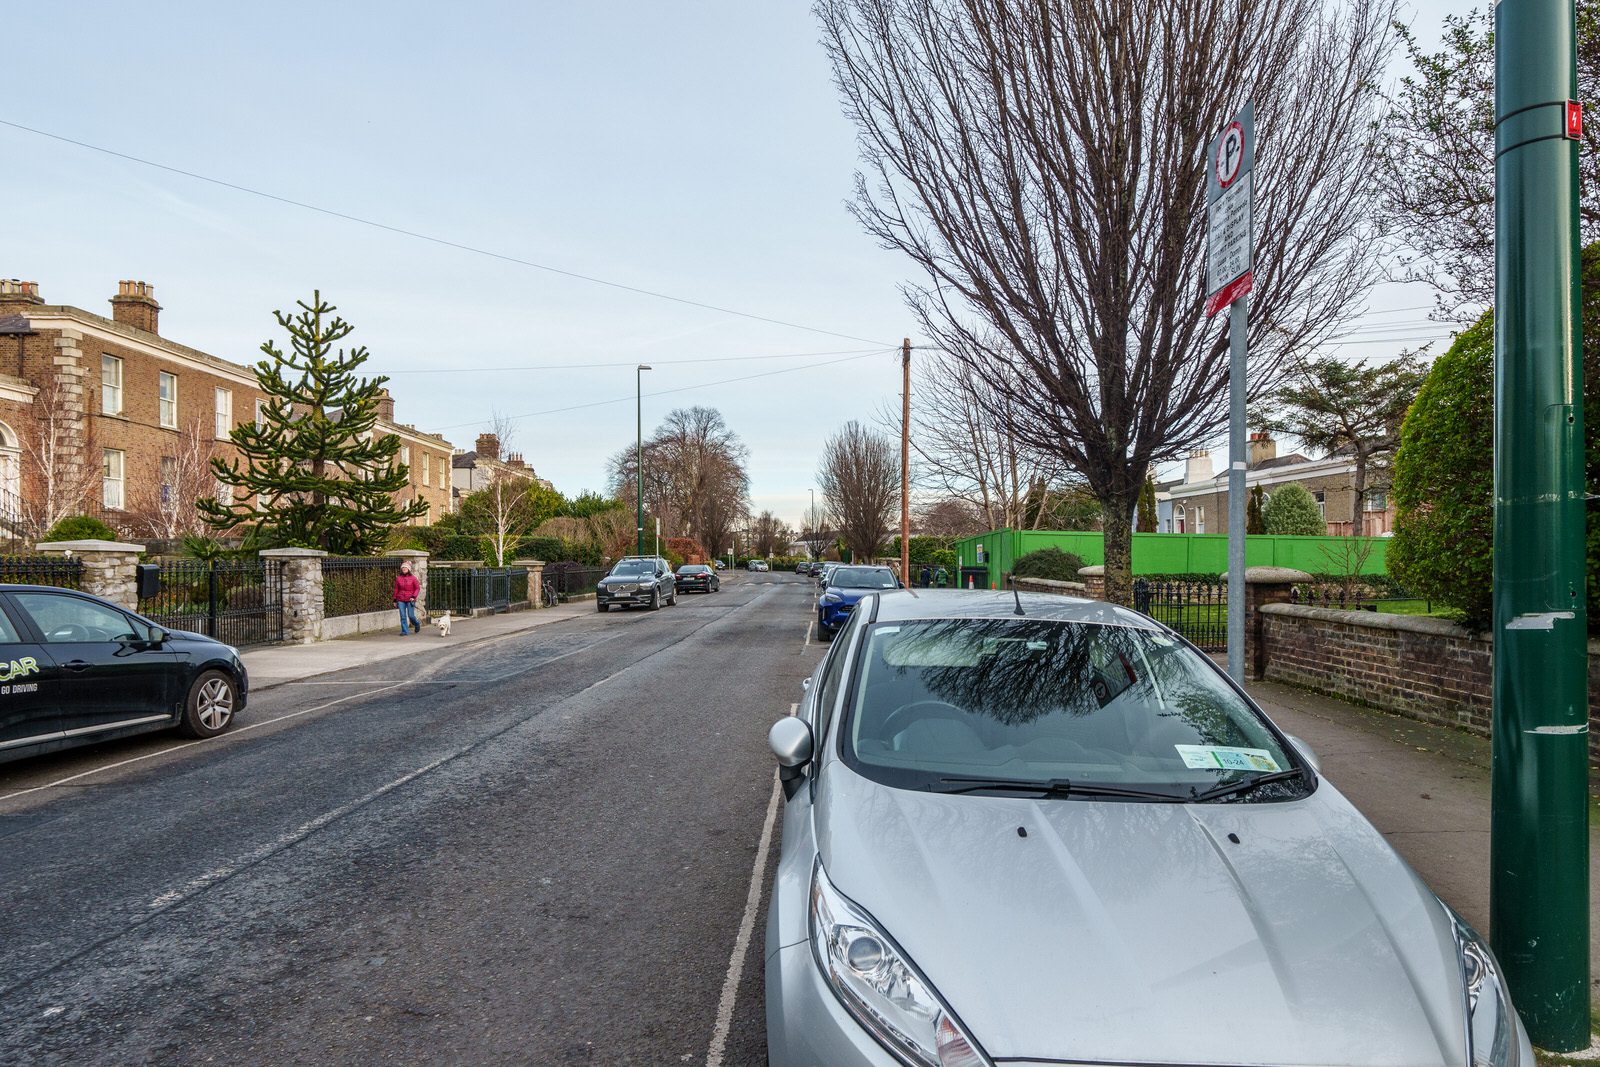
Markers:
point(1145, 517)
point(1255, 514)
point(1293, 510)
point(324, 479)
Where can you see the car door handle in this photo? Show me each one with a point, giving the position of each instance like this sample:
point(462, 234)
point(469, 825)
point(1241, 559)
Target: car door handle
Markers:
point(77, 665)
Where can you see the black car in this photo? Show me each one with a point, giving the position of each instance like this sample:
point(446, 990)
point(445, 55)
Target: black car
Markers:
point(698, 578)
point(76, 669)
point(637, 581)
point(803, 567)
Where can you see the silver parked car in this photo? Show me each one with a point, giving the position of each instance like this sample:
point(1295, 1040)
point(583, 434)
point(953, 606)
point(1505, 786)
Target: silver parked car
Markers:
point(1048, 830)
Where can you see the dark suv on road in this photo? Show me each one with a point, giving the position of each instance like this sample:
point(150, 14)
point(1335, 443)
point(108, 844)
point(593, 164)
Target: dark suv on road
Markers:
point(75, 669)
point(637, 582)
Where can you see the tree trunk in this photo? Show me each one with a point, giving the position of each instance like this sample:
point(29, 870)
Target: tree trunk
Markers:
point(1118, 525)
point(1361, 493)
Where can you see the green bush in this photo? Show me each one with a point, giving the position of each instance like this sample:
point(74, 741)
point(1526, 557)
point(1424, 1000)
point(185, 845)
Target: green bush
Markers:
point(1049, 563)
point(1293, 510)
point(1444, 480)
point(80, 528)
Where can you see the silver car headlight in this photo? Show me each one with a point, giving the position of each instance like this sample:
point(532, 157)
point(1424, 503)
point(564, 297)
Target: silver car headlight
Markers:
point(878, 985)
point(831, 598)
point(1491, 1027)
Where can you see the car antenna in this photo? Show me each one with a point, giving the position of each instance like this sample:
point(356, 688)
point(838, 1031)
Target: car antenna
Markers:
point(1012, 578)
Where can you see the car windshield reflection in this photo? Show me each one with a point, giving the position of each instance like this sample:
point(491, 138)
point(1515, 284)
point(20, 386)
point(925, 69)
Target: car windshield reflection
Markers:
point(1041, 701)
point(861, 578)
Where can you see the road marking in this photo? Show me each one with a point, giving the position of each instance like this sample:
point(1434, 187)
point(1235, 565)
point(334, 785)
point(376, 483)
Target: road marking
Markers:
point(809, 624)
point(191, 744)
point(741, 944)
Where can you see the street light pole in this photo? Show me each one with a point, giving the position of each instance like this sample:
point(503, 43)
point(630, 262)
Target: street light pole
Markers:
point(905, 462)
point(638, 388)
point(1539, 837)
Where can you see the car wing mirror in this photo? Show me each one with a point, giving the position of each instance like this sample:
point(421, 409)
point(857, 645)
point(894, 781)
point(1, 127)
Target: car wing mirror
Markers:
point(1306, 751)
point(790, 740)
point(805, 683)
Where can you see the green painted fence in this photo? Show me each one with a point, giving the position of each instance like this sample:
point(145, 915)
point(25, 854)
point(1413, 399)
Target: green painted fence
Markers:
point(1157, 553)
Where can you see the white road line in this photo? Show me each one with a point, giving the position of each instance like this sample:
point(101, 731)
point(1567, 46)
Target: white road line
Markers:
point(809, 624)
point(741, 944)
point(191, 744)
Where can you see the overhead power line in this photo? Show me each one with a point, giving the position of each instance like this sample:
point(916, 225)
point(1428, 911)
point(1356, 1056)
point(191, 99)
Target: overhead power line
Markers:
point(669, 392)
point(442, 241)
point(632, 362)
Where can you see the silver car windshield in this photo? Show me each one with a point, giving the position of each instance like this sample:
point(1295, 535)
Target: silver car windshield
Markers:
point(1038, 701)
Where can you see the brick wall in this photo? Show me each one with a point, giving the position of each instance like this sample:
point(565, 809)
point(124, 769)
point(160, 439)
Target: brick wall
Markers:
point(1426, 669)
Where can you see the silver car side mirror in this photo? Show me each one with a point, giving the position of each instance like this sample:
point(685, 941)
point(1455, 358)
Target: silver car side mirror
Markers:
point(790, 740)
point(1305, 750)
point(805, 683)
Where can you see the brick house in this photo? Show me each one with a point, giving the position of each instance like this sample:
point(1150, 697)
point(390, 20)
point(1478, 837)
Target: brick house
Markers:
point(81, 393)
point(428, 455)
point(480, 468)
point(1199, 504)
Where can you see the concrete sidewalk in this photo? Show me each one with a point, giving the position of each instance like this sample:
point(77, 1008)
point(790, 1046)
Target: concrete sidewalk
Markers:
point(278, 664)
point(1426, 789)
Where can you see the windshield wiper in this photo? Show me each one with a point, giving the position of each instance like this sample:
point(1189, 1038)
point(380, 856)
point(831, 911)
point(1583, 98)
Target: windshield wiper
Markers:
point(1054, 787)
point(1249, 784)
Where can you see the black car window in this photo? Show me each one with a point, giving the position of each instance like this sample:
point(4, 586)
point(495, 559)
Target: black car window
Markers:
point(63, 618)
point(8, 632)
point(832, 675)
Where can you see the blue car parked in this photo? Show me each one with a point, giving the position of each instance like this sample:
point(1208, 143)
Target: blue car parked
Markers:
point(846, 585)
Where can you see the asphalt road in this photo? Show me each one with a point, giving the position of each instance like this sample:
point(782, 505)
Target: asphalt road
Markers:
point(537, 850)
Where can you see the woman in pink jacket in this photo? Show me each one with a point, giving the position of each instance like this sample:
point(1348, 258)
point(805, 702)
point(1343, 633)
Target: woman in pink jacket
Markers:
point(406, 591)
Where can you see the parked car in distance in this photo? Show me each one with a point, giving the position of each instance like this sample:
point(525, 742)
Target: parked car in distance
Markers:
point(757, 565)
point(803, 567)
point(697, 578)
point(846, 586)
point(637, 582)
point(717, 563)
point(76, 669)
point(824, 570)
point(1046, 830)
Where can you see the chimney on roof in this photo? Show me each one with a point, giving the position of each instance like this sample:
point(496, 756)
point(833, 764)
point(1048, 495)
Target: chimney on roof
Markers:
point(135, 305)
point(1197, 468)
point(515, 460)
point(16, 297)
point(1262, 448)
point(385, 406)
point(489, 446)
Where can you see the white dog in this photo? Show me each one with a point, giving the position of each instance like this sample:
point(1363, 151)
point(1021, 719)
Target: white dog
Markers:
point(443, 622)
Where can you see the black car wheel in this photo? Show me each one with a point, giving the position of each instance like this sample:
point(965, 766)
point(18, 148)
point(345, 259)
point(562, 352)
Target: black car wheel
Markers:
point(655, 600)
point(209, 708)
point(601, 607)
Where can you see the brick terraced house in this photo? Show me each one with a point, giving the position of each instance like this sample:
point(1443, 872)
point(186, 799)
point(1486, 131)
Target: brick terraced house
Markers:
point(103, 410)
point(1199, 504)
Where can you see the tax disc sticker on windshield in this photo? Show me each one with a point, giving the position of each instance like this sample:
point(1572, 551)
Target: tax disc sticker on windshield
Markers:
point(1220, 757)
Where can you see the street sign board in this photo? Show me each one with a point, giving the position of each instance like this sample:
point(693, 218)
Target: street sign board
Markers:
point(1230, 204)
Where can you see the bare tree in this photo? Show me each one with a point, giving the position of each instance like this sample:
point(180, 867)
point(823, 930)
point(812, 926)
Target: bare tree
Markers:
point(769, 534)
point(695, 479)
point(966, 445)
point(860, 482)
point(61, 472)
point(1043, 164)
point(508, 508)
point(170, 508)
point(817, 533)
point(949, 517)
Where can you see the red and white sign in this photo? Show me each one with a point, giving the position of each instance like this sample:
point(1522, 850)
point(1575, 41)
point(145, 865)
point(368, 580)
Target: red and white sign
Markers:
point(1230, 204)
point(1575, 119)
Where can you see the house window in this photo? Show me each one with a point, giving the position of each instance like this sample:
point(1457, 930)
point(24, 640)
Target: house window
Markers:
point(110, 385)
point(1376, 502)
point(169, 480)
point(224, 413)
point(1180, 515)
point(224, 493)
point(1199, 520)
point(405, 455)
point(111, 480)
point(169, 400)
point(426, 465)
point(261, 413)
point(1322, 503)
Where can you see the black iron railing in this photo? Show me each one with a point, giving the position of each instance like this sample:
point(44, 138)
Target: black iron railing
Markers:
point(355, 585)
point(42, 570)
point(239, 602)
point(568, 580)
point(464, 590)
point(1197, 609)
point(1360, 596)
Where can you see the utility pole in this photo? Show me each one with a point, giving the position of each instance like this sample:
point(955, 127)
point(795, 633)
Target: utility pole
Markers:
point(905, 461)
point(1539, 837)
point(638, 384)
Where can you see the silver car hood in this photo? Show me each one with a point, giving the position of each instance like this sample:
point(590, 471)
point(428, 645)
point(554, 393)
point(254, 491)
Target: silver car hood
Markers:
point(1142, 933)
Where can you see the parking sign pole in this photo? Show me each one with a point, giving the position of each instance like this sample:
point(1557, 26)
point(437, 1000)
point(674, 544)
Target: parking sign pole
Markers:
point(1539, 838)
point(1238, 346)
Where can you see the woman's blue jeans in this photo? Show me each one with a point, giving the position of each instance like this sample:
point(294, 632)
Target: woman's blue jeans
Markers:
point(408, 613)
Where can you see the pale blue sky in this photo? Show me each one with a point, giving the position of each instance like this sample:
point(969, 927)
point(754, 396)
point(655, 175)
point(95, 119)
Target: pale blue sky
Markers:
point(693, 148)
